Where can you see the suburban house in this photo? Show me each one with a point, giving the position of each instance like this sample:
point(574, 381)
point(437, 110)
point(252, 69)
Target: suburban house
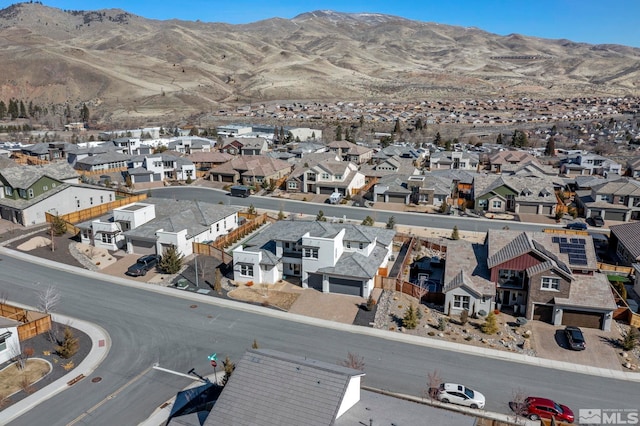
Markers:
point(516, 194)
point(160, 167)
point(329, 257)
point(9, 340)
point(300, 150)
point(103, 163)
point(400, 151)
point(153, 226)
point(467, 281)
point(587, 163)
point(548, 277)
point(625, 240)
point(617, 200)
point(28, 192)
point(297, 180)
point(191, 145)
point(498, 160)
point(390, 166)
point(391, 188)
point(278, 385)
point(633, 167)
point(254, 146)
point(351, 152)
point(254, 170)
point(462, 182)
point(49, 151)
point(456, 160)
point(430, 189)
point(331, 176)
point(203, 161)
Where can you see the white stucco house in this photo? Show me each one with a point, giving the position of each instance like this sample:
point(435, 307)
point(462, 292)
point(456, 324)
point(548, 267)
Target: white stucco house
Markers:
point(156, 224)
point(329, 257)
point(9, 341)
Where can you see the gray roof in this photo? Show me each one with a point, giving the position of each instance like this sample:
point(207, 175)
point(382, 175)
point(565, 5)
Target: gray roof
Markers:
point(468, 268)
point(590, 291)
point(174, 216)
point(104, 158)
point(25, 176)
point(274, 388)
point(628, 234)
point(356, 265)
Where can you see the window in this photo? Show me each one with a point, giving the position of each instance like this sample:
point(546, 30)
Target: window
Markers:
point(348, 244)
point(482, 203)
point(107, 238)
point(292, 185)
point(246, 270)
point(311, 252)
point(102, 199)
point(30, 193)
point(497, 204)
point(8, 190)
point(550, 283)
point(461, 302)
point(91, 200)
point(45, 188)
point(217, 227)
point(78, 203)
point(3, 344)
point(325, 176)
point(361, 246)
point(338, 177)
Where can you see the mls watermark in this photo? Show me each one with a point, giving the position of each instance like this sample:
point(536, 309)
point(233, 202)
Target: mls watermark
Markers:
point(606, 416)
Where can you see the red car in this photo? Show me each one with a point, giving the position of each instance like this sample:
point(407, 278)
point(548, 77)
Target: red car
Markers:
point(542, 408)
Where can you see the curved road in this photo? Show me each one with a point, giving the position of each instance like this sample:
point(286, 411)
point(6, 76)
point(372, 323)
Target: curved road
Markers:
point(146, 328)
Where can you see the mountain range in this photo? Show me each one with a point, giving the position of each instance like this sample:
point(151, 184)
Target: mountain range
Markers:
point(129, 68)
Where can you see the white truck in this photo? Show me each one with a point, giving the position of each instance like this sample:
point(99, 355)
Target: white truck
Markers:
point(335, 198)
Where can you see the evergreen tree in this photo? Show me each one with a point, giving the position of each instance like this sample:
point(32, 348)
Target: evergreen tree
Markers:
point(320, 217)
point(519, 139)
point(58, 226)
point(391, 223)
point(23, 110)
point(490, 325)
point(255, 344)
point(251, 209)
point(32, 110)
point(455, 235)
point(499, 139)
point(419, 125)
point(361, 121)
point(367, 221)
point(410, 320)
point(339, 132)
point(84, 113)
point(550, 150)
point(438, 139)
point(447, 145)
point(193, 131)
point(229, 367)
point(396, 127)
point(13, 109)
point(630, 339)
point(171, 261)
point(3, 110)
point(281, 215)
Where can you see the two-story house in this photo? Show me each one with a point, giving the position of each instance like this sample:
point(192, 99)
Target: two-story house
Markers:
point(587, 163)
point(27, 193)
point(456, 160)
point(617, 200)
point(187, 145)
point(514, 193)
point(252, 170)
point(348, 151)
point(329, 257)
point(159, 167)
point(333, 176)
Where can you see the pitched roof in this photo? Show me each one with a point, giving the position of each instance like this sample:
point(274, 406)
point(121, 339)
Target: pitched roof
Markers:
point(628, 234)
point(468, 268)
point(25, 176)
point(274, 388)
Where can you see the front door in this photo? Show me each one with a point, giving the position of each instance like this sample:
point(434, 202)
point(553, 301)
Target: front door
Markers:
point(296, 269)
point(506, 298)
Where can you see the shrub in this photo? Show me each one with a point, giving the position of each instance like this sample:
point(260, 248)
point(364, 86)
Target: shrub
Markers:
point(370, 303)
point(490, 325)
point(630, 339)
point(442, 323)
point(410, 320)
point(69, 344)
point(171, 261)
point(464, 317)
point(455, 235)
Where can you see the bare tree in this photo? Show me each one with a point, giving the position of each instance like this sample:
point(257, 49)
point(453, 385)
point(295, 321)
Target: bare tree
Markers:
point(354, 361)
point(433, 383)
point(518, 405)
point(48, 299)
point(18, 355)
point(4, 296)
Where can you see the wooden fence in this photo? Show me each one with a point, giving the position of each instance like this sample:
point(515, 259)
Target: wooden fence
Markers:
point(23, 159)
point(564, 231)
point(96, 211)
point(101, 172)
point(33, 322)
point(605, 267)
point(209, 250)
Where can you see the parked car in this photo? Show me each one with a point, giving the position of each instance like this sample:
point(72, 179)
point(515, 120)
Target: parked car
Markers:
point(597, 221)
point(537, 408)
point(579, 226)
point(461, 395)
point(143, 265)
point(575, 338)
point(240, 191)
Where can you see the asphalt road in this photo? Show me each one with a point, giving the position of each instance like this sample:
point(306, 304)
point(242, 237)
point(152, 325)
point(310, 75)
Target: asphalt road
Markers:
point(338, 211)
point(147, 328)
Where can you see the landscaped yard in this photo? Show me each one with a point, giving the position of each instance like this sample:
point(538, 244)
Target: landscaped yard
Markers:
point(13, 379)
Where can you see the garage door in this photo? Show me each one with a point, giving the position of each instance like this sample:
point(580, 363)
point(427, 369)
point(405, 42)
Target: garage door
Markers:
point(528, 209)
point(595, 213)
point(315, 281)
point(582, 319)
point(343, 286)
point(227, 178)
point(618, 216)
point(543, 313)
point(547, 210)
point(397, 199)
point(143, 247)
point(326, 190)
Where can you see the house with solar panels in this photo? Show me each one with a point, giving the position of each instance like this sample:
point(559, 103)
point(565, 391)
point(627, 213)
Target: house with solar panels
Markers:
point(539, 276)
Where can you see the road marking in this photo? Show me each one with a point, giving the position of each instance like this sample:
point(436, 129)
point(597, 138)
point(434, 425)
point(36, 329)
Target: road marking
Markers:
point(111, 396)
point(177, 373)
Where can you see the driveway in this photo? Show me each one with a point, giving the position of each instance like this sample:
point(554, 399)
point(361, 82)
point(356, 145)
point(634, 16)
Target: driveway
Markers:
point(549, 342)
point(332, 307)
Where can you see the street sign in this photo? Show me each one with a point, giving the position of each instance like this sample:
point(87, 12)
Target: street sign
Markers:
point(214, 364)
point(213, 357)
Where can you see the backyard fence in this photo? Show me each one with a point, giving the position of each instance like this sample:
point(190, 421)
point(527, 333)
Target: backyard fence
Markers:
point(33, 322)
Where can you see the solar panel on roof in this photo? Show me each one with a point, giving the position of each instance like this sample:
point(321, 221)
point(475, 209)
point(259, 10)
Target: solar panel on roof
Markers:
point(563, 240)
point(555, 240)
point(574, 240)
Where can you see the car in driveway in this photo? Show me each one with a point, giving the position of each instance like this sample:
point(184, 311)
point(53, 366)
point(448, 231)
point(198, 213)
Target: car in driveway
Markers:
point(597, 221)
point(575, 338)
point(143, 265)
point(461, 395)
point(577, 226)
point(536, 408)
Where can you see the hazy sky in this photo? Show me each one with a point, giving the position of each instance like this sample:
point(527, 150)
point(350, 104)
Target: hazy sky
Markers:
point(590, 21)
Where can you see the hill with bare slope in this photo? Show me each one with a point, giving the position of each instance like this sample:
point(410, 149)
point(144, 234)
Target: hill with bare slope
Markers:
point(131, 68)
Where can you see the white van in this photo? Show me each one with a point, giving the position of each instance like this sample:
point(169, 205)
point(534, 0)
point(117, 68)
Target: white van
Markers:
point(335, 198)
